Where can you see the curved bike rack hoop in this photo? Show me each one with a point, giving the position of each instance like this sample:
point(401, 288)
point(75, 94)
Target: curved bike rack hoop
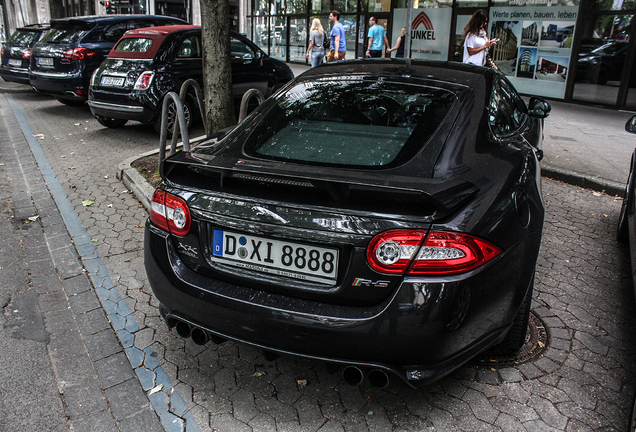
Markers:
point(178, 121)
point(246, 98)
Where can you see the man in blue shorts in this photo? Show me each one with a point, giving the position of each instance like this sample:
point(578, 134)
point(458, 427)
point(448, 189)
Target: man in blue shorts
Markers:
point(338, 42)
point(377, 39)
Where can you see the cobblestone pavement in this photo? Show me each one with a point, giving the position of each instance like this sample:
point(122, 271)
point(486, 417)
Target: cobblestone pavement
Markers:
point(585, 381)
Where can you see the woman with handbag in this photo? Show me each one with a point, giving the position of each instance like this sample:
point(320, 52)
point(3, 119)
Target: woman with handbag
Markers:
point(476, 42)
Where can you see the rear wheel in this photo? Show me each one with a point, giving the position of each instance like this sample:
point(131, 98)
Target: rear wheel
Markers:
point(622, 234)
point(71, 102)
point(172, 114)
point(112, 123)
point(516, 337)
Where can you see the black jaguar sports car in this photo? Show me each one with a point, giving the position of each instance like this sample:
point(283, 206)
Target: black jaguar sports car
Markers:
point(376, 214)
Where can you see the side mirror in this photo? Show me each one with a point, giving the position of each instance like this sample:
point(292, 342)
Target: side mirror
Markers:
point(630, 126)
point(539, 108)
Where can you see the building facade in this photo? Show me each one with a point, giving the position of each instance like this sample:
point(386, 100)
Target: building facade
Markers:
point(571, 50)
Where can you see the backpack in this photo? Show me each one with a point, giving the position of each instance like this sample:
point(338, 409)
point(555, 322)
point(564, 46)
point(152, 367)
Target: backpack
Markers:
point(326, 41)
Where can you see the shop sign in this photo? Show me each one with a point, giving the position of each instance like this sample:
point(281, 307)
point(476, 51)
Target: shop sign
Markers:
point(430, 31)
point(535, 46)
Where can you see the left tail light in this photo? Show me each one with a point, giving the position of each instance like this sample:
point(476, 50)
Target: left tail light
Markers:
point(77, 54)
point(441, 253)
point(170, 213)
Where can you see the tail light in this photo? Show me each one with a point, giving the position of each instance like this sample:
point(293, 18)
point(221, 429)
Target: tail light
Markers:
point(2, 51)
point(26, 54)
point(441, 253)
point(144, 80)
point(77, 54)
point(170, 213)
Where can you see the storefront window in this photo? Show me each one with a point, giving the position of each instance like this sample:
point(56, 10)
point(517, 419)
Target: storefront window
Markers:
point(296, 6)
point(297, 39)
point(375, 5)
point(423, 4)
point(601, 60)
point(261, 7)
point(534, 3)
point(261, 33)
point(278, 7)
point(471, 3)
point(318, 6)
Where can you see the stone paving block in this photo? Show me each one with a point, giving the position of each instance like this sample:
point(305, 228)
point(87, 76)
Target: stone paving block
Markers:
point(76, 284)
point(46, 283)
point(73, 369)
point(60, 320)
point(98, 422)
point(145, 420)
point(102, 344)
point(52, 301)
point(114, 370)
point(92, 322)
point(84, 302)
point(65, 344)
point(84, 399)
point(126, 399)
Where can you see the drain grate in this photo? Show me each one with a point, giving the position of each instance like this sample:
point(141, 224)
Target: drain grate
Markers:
point(537, 341)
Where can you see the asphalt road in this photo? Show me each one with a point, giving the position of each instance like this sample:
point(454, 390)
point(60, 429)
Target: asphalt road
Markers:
point(584, 380)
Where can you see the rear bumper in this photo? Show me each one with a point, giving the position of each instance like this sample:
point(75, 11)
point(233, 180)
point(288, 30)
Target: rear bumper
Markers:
point(17, 75)
point(120, 111)
point(137, 106)
point(66, 85)
point(426, 329)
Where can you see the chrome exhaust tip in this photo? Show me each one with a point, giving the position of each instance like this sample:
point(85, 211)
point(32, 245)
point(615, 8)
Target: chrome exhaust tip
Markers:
point(199, 336)
point(378, 378)
point(353, 375)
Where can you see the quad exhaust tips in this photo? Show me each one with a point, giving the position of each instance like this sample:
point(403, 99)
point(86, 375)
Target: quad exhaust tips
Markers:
point(354, 376)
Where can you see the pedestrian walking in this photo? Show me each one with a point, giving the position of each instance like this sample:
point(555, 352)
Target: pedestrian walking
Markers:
point(476, 42)
point(338, 42)
point(377, 39)
point(316, 39)
point(399, 45)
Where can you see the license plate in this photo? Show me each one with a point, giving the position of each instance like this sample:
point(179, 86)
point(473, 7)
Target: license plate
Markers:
point(15, 62)
point(112, 81)
point(45, 61)
point(282, 258)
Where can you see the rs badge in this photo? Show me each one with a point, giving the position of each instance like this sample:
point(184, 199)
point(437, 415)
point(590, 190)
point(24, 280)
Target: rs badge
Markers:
point(368, 282)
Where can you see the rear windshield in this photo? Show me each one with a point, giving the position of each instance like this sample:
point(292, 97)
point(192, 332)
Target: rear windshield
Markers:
point(134, 45)
point(23, 38)
point(65, 35)
point(352, 121)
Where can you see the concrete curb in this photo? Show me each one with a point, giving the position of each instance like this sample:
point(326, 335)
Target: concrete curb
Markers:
point(142, 189)
point(585, 181)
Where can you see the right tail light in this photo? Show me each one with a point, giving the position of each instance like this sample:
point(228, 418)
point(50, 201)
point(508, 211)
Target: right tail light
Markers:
point(439, 253)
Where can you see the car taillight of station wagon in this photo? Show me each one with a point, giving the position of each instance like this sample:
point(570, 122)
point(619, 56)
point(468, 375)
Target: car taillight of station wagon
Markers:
point(77, 54)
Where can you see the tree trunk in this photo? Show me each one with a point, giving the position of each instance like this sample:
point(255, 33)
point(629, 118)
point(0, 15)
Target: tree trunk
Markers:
point(217, 69)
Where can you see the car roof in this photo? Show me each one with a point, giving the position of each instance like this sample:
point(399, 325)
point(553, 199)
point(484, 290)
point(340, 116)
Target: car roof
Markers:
point(159, 30)
point(110, 18)
point(34, 27)
point(440, 71)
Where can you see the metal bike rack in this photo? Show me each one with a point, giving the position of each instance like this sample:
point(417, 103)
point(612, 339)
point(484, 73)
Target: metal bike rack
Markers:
point(180, 121)
point(246, 98)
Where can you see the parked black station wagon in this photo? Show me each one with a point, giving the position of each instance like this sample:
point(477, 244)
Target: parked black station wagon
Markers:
point(373, 214)
point(64, 60)
point(16, 52)
point(148, 63)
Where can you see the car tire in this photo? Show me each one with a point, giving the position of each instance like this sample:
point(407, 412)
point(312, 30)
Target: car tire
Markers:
point(71, 102)
point(187, 111)
point(516, 337)
point(112, 123)
point(603, 76)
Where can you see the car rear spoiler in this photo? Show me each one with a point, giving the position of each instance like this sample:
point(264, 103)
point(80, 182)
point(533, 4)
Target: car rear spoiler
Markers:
point(423, 199)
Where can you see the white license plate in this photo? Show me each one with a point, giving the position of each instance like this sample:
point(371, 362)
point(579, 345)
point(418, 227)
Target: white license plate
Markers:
point(112, 81)
point(282, 258)
point(45, 61)
point(15, 62)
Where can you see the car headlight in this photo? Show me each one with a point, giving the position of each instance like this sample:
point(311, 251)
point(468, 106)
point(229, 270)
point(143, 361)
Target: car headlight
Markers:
point(588, 60)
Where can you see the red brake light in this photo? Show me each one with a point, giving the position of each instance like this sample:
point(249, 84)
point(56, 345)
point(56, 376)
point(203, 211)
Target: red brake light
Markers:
point(170, 213)
point(77, 54)
point(26, 54)
point(443, 253)
point(144, 80)
point(2, 51)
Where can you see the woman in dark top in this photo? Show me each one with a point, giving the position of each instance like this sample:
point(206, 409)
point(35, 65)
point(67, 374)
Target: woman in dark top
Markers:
point(399, 45)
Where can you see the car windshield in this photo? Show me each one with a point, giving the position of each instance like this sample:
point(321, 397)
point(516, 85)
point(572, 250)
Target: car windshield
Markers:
point(64, 35)
point(134, 45)
point(23, 38)
point(354, 121)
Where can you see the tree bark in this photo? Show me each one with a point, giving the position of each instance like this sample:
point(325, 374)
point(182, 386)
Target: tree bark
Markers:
point(217, 69)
